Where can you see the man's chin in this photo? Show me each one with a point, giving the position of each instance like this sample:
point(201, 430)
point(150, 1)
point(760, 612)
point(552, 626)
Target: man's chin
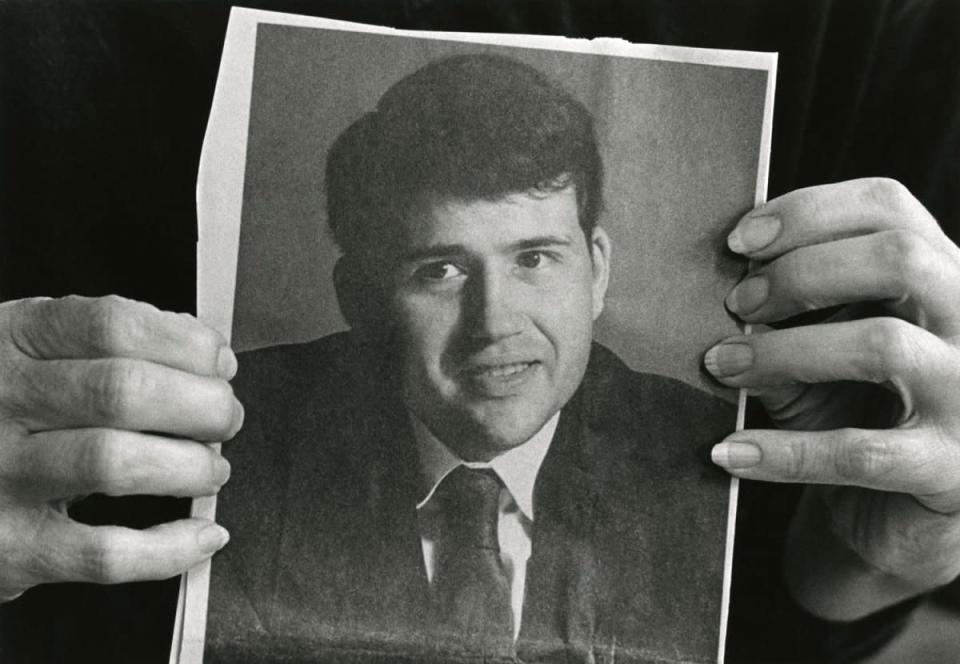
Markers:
point(487, 440)
point(481, 429)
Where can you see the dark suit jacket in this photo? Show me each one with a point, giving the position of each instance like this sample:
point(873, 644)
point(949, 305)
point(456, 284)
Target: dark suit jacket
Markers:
point(326, 561)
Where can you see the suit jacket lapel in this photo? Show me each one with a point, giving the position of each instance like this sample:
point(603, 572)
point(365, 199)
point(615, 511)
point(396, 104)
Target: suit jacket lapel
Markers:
point(564, 574)
point(398, 589)
point(360, 561)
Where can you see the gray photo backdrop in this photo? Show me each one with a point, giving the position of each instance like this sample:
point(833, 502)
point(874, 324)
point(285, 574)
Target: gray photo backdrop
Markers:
point(680, 143)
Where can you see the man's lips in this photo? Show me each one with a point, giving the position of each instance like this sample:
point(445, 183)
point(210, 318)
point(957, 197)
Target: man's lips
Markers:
point(503, 370)
point(498, 379)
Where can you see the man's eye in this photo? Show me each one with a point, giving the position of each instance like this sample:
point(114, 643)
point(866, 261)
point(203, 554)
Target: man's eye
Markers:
point(531, 259)
point(438, 271)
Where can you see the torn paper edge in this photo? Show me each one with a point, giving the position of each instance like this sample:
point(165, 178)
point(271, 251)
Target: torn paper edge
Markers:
point(220, 201)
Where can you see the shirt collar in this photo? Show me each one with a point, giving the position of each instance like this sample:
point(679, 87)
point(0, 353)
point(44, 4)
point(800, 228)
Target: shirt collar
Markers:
point(517, 468)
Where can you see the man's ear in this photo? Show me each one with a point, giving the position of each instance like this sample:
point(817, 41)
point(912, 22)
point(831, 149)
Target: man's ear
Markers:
point(600, 248)
point(359, 300)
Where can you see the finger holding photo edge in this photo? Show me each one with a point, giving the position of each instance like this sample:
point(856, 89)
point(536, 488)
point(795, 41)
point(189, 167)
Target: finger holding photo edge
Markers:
point(76, 327)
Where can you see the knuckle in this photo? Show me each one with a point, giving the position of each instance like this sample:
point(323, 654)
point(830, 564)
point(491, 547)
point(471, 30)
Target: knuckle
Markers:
point(891, 349)
point(113, 324)
point(27, 320)
point(888, 194)
point(202, 335)
point(906, 256)
point(23, 465)
point(33, 307)
point(861, 456)
point(19, 390)
point(77, 301)
point(100, 560)
point(114, 389)
point(794, 287)
point(804, 203)
point(796, 459)
point(102, 464)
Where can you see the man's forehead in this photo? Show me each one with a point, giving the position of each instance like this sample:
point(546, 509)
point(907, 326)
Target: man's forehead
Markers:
point(505, 220)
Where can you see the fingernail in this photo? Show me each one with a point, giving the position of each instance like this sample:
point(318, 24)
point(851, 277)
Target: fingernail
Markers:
point(728, 359)
point(221, 470)
point(736, 456)
point(238, 415)
point(749, 295)
point(226, 363)
point(212, 538)
point(753, 234)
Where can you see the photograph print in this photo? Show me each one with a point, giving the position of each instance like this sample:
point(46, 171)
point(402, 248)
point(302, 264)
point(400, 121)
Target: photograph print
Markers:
point(472, 280)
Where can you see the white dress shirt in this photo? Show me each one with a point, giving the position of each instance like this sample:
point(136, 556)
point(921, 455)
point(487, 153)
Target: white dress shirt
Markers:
point(517, 469)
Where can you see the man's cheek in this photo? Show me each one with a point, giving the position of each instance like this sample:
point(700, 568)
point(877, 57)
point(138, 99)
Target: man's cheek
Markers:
point(567, 320)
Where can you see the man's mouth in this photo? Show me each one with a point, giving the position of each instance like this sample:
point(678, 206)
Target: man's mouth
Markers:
point(499, 379)
point(500, 370)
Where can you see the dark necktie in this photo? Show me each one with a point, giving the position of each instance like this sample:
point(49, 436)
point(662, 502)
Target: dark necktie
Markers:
point(471, 589)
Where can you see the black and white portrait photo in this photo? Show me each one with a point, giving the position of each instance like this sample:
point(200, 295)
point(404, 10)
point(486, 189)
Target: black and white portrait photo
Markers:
point(471, 285)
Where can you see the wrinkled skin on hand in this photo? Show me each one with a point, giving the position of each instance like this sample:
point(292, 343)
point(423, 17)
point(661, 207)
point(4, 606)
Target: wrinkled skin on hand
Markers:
point(867, 401)
point(106, 396)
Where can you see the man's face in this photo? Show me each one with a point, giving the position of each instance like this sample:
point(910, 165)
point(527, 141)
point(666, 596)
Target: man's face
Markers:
point(495, 302)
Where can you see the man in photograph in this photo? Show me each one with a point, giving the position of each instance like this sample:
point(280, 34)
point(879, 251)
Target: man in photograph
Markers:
point(466, 472)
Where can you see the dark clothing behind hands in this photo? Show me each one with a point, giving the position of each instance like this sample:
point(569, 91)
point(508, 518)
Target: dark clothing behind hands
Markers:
point(101, 122)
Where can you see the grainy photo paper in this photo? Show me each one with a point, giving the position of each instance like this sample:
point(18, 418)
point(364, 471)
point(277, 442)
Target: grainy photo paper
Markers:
point(471, 279)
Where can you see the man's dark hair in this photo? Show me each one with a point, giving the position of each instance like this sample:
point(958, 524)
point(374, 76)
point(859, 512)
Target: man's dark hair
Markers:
point(472, 127)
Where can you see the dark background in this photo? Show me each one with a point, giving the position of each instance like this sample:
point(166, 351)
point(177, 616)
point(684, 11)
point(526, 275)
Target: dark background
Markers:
point(102, 113)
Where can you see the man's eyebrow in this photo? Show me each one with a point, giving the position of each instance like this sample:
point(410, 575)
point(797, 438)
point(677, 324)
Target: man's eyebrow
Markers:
point(439, 251)
point(540, 242)
point(432, 252)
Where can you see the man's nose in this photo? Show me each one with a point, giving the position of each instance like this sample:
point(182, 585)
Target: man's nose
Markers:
point(492, 310)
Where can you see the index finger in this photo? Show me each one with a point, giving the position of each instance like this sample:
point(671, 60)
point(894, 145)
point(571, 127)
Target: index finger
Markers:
point(77, 327)
point(908, 460)
point(824, 213)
